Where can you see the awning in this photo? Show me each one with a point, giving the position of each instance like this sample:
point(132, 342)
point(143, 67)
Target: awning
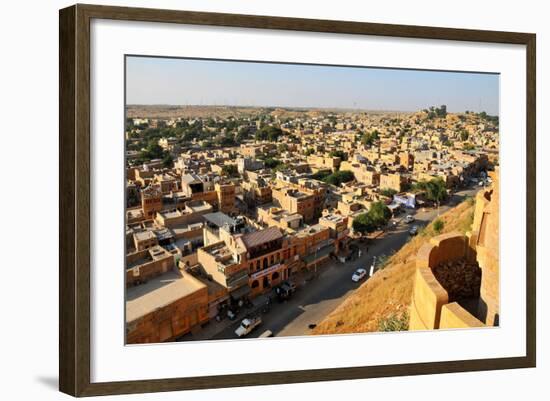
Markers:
point(240, 292)
point(320, 254)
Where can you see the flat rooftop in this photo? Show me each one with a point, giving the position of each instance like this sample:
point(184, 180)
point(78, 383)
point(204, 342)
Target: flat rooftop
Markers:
point(198, 206)
point(171, 214)
point(159, 292)
point(219, 219)
point(144, 235)
point(314, 229)
point(335, 218)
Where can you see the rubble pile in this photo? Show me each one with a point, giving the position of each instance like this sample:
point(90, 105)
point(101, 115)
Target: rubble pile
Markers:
point(461, 279)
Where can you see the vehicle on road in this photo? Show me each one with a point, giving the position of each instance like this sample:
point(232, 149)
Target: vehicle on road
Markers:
point(409, 219)
point(413, 231)
point(291, 285)
point(231, 314)
point(247, 325)
point(285, 290)
point(265, 334)
point(358, 275)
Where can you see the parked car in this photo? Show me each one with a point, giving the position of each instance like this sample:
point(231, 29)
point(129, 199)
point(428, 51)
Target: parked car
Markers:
point(413, 231)
point(265, 334)
point(358, 275)
point(409, 219)
point(284, 291)
point(290, 285)
point(247, 325)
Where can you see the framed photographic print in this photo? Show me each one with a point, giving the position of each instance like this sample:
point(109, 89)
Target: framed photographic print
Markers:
point(250, 200)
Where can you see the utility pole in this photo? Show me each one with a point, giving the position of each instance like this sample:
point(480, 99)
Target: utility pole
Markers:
point(372, 266)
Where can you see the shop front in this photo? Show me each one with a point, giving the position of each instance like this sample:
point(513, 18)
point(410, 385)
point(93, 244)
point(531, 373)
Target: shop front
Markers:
point(264, 280)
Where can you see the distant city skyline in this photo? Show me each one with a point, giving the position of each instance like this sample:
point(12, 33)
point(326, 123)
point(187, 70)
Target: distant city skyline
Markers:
point(177, 81)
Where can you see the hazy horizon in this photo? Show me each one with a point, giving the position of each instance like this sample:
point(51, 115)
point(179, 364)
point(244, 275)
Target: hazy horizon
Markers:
point(155, 81)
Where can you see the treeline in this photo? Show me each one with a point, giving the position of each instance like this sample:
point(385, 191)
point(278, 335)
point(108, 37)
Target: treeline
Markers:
point(439, 112)
point(223, 133)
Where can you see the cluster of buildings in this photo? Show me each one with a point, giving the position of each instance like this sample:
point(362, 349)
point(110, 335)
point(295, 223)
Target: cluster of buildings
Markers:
point(225, 225)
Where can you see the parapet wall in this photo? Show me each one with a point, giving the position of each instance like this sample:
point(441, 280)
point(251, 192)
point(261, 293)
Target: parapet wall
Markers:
point(454, 316)
point(430, 308)
point(429, 296)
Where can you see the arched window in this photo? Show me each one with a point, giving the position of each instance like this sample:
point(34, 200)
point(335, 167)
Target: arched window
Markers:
point(255, 284)
point(272, 259)
point(275, 276)
point(265, 263)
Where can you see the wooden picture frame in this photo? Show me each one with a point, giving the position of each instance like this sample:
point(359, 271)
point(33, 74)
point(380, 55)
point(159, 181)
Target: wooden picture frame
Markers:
point(74, 199)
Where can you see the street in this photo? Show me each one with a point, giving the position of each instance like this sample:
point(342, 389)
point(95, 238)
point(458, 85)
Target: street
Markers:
point(311, 303)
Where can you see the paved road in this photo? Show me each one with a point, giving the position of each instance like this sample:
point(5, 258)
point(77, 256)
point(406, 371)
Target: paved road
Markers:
point(320, 296)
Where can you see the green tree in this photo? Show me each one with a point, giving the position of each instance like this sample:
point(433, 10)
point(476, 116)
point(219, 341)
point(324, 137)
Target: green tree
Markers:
point(167, 161)
point(226, 140)
point(230, 170)
point(441, 111)
point(321, 175)
point(464, 135)
point(153, 151)
point(379, 213)
point(438, 225)
point(368, 139)
point(281, 167)
point(309, 151)
point(377, 216)
point(282, 147)
point(363, 223)
point(243, 134)
point(436, 190)
point(388, 192)
point(271, 162)
point(339, 177)
point(339, 153)
point(268, 133)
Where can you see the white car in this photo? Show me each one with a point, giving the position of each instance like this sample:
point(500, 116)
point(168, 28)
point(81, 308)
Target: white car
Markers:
point(409, 219)
point(247, 325)
point(358, 275)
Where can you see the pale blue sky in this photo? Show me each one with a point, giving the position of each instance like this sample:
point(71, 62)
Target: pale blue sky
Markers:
point(152, 80)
